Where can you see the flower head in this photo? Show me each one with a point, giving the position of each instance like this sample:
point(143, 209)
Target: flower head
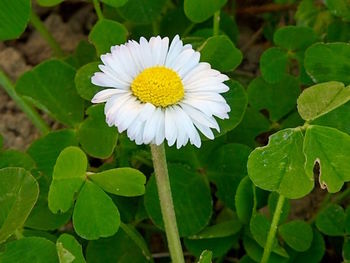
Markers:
point(159, 92)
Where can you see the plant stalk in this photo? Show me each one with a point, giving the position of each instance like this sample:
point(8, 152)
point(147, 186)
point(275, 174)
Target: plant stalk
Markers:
point(273, 229)
point(216, 23)
point(98, 9)
point(166, 203)
point(6, 83)
point(41, 28)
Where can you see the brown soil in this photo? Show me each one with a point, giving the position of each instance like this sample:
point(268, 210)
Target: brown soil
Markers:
point(19, 56)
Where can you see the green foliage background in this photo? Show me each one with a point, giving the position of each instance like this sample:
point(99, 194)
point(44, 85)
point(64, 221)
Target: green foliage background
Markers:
point(85, 193)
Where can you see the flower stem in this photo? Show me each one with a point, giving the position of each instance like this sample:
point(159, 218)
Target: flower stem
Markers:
point(216, 23)
point(273, 229)
point(41, 28)
point(166, 203)
point(98, 9)
point(6, 83)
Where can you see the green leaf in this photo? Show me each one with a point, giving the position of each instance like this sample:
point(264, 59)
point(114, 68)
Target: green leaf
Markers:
point(14, 16)
point(41, 218)
point(292, 120)
point(252, 124)
point(222, 229)
point(84, 53)
point(259, 228)
point(328, 62)
point(244, 200)
point(339, 8)
point(297, 234)
point(330, 149)
point(338, 31)
point(335, 118)
point(321, 99)
point(220, 53)
point(95, 214)
point(346, 250)
point(206, 10)
point(227, 168)
point(205, 257)
point(294, 37)
point(347, 220)
point(315, 253)
point(331, 220)
point(237, 99)
point(279, 166)
point(188, 188)
point(107, 33)
point(64, 255)
point(173, 22)
point(70, 244)
point(279, 98)
point(13, 158)
point(45, 150)
point(142, 11)
point(246, 259)
point(255, 251)
point(51, 84)
point(18, 194)
point(29, 250)
point(49, 2)
point(68, 176)
point(85, 88)
point(94, 135)
point(115, 3)
point(273, 64)
point(121, 181)
point(218, 246)
point(119, 248)
point(137, 238)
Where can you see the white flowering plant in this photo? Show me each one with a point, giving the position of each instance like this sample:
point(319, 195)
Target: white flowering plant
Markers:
point(182, 131)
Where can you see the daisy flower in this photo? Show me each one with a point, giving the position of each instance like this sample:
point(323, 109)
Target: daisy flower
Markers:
point(157, 92)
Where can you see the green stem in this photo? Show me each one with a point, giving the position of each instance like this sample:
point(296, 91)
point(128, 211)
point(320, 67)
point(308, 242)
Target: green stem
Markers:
point(188, 29)
point(41, 28)
point(216, 23)
point(273, 229)
point(18, 234)
point(6, 83)
point(98, 9)
point(166, 203)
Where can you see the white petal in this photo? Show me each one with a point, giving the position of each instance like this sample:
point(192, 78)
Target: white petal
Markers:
point(208, 87)
point(112, 61)
point(135, 52)
point(189, 64)
point(206, 96)
point(151, 124)
point(164, 50)
point(185, 61)
point(146, 52)
point(188, 127)
point(205, 130)
point(112, 105)
point(103, 80)
point(160, 129)
point(170, 126)
point(105, 94)
point(174, 50)
point(127, 114)
point(200, 117)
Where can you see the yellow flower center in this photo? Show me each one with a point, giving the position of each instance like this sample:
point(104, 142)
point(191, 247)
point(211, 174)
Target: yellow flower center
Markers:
point(158, 85)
